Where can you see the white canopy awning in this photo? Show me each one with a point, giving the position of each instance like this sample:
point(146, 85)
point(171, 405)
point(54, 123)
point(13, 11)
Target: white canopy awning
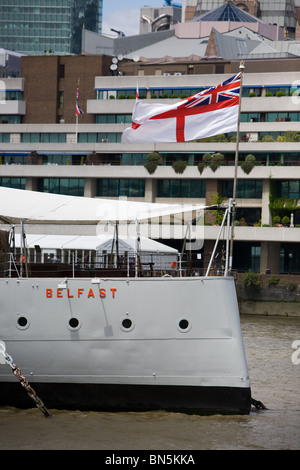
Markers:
point(17, 205)
point(97, 243)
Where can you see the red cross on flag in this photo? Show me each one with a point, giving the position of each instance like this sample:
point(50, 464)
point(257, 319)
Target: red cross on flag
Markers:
point(211, 112)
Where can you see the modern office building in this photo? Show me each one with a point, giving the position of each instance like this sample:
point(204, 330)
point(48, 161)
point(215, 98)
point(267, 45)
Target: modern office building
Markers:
point(54, 156)
point(47, 26)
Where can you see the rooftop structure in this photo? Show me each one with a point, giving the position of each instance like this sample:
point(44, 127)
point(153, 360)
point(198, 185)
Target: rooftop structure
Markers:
point(232, 32)
point(227, 12)
point(155, 19)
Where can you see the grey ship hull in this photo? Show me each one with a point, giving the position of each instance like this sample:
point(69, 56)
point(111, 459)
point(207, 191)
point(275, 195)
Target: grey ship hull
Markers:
point(125, 344)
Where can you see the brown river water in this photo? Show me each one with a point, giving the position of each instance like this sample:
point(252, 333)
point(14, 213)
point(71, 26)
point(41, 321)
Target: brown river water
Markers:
point(274, 368)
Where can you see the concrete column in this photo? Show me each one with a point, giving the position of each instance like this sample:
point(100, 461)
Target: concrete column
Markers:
point(270, 257)
point(31, 184)
point(265, 211)
point(150, 189)
point(90, 187)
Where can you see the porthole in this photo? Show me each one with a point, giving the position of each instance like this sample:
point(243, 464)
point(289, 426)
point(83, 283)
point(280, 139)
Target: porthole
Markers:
point(184, 325)
point(74, 323)
point(22, 323)
point(127, 324)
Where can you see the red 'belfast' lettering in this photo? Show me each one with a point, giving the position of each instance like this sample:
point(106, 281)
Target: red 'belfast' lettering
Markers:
point(113, 289)
point(102, 293)
point(69, 295)
point(91, 293)
point(80, 292)
point(60, 294)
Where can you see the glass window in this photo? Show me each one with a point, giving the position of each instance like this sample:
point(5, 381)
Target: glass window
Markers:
point(250, 117)
point(61, 99)
point(133, 159)
point(68, 186)
point(251, 91)
point(4, 138)
point(245, 189)
point(113, 187)
point(16, 183)
point(289, 189)
point(181, 188)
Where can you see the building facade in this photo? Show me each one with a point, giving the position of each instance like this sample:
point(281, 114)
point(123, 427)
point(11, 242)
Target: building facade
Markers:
point(47, 26)
point(56, 157)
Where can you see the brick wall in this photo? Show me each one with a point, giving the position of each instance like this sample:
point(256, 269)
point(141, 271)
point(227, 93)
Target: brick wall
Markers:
point(47, 76)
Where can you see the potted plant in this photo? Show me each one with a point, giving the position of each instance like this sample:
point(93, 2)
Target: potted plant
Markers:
point(249, 163)
point(206, 160)
point(285, 221)
point(179, 166)
point(153, 159)
point(217, 160)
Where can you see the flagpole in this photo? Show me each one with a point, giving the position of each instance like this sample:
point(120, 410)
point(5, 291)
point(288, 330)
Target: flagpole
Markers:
point(76, 114)
point(241, 67)
point(76, 129)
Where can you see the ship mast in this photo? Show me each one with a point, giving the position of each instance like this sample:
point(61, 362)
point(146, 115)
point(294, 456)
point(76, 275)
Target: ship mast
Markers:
point(241, 67)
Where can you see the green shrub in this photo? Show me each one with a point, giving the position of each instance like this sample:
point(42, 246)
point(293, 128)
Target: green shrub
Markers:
point(252, 279)
point(249, 163)
point(152, 162)
point(207, 158)
point(268, 138)
point(213, 161)
point(179, 166)
point(280, 93)
point(285, 220)
point(292, 286)
point(273, 281)
point(217, 200)
point(217, 160)
point(201, 167)
point(276, 220)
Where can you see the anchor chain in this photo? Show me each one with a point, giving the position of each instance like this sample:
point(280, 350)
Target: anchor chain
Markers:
point(24, 382)
point(258, 404)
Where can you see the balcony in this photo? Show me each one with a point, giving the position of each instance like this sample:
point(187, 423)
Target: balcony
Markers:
point(257, 234)
point(15, 107)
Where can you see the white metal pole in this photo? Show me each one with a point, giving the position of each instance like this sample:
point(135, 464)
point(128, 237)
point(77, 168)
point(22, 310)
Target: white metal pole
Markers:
point(241, 67)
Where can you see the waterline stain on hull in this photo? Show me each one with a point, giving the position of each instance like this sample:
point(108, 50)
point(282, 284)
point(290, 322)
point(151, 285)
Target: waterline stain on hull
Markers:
point(110, 397)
